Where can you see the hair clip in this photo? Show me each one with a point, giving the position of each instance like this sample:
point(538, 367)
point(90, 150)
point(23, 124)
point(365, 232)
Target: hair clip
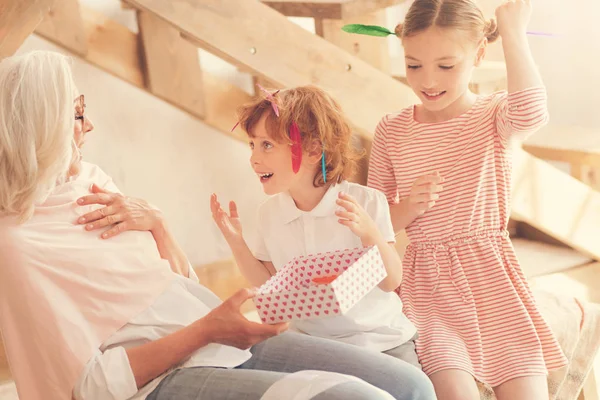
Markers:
point(270, 97)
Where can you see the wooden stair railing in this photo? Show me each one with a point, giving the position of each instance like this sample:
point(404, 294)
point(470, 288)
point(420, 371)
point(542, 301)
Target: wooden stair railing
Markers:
point(287, 55)
point(579, 147)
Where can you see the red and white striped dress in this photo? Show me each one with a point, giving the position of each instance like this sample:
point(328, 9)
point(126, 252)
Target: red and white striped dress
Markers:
point(463, 286)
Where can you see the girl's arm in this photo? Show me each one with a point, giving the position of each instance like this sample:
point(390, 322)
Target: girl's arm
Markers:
point(423, 195)
point(522, 73)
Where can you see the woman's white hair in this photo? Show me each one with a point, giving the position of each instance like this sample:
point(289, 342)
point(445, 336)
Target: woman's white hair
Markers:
point(36, 129)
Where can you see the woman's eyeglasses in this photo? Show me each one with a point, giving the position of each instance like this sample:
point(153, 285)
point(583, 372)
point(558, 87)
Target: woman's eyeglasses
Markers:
point(79, 107)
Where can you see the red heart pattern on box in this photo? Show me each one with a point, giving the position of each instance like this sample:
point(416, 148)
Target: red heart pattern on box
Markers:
point(291, 295)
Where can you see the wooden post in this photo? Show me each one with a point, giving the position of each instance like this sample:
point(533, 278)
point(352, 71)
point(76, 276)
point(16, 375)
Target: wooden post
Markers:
point(577, 171)
point(18, 19)
point(171, 64)
point(116, 50)
point(373, 50)
point(63, 25)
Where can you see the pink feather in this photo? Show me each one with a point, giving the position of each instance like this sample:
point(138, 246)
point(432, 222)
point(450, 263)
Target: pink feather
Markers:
point(296, 139)
point(270, 97)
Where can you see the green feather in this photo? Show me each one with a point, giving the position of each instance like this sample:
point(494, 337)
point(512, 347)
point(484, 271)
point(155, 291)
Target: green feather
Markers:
point(371, 30)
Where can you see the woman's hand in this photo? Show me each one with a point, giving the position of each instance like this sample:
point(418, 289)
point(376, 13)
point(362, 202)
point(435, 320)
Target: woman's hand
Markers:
point(120, 213)
point(226, 324)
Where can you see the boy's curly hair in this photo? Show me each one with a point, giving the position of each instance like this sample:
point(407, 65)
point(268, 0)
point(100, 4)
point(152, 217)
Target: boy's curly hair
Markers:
point(319, 118)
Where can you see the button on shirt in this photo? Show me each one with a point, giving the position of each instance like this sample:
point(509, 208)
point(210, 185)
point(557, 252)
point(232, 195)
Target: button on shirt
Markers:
point(285, 232)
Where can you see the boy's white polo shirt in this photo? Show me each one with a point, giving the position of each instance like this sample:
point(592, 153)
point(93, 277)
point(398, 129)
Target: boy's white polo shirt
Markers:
point(285, 232)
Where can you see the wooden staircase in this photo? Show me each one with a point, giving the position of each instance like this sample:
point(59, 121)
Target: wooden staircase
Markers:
point(575, 146)
point(359, 77)
point(329, 9)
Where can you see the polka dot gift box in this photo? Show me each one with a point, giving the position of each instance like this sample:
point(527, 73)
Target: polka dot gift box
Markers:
point(320, 285)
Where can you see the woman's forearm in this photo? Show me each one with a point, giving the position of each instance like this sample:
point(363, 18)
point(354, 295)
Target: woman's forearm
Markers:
point(150, 360)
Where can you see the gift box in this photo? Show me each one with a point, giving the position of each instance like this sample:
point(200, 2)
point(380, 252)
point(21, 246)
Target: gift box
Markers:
point(320, 285)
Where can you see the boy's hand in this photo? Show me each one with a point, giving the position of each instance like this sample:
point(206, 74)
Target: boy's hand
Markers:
point(229, 224)
point(356, 218)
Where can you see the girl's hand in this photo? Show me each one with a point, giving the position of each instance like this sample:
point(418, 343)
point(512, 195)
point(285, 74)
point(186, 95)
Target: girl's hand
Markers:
point(424, 193)
point(356, 218)
point(513, 17)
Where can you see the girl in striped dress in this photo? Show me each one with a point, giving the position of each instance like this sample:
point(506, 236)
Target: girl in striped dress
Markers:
point(463, 286)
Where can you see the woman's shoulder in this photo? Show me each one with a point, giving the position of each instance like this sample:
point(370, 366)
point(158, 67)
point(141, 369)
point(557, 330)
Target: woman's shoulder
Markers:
point(92, 172)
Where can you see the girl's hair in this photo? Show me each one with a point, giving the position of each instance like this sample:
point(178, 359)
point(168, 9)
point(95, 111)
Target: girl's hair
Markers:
point(320, 120)
point(461, 15)
point(36, 129)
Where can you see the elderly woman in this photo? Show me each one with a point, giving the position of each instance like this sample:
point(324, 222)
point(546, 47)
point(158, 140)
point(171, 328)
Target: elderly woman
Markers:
point(121, 315)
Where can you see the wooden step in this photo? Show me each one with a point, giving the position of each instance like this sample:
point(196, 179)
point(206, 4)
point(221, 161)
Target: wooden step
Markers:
point(570, 144)
point(537, 258)
point(577, 146)
point(329, 9)
point(582, 282)
point(555, 203)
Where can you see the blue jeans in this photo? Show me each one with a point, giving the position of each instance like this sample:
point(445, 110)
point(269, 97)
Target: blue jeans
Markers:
point(292, 352)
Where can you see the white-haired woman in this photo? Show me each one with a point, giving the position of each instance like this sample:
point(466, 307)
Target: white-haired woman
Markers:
point(90, 316)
